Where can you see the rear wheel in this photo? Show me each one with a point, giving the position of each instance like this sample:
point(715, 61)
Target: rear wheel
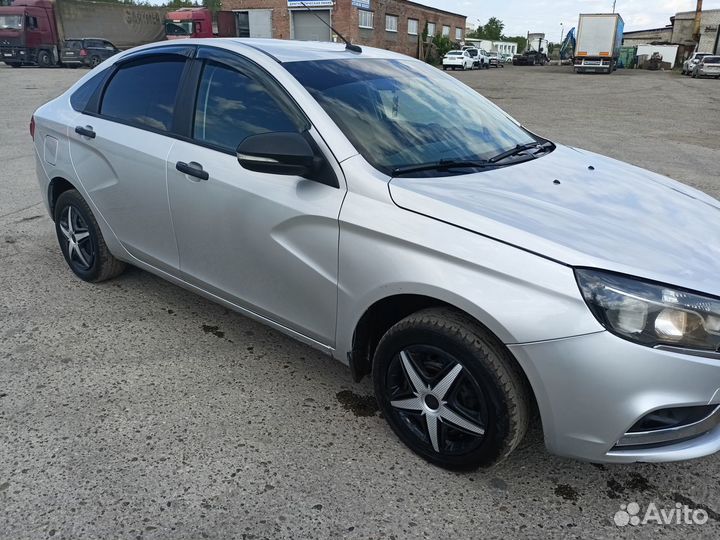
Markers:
point(81, 241)
point(94, 61)
point(450, 390)
point(44, 59)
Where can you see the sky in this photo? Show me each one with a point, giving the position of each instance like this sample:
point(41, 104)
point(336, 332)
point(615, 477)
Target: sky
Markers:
point(521, 16)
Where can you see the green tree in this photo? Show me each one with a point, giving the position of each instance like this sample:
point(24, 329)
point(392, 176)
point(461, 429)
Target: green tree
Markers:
point(213, 5)
point(493, 29)
point(442, 45)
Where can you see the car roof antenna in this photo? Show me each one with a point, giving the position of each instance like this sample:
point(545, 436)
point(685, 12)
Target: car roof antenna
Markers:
point(348, 46)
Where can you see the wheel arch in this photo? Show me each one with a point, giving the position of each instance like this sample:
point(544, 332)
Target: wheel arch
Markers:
point(377, 319)
point(57, 186)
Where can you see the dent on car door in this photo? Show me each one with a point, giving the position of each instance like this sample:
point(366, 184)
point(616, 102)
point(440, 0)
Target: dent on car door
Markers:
point(119, 153)
point(266, 242)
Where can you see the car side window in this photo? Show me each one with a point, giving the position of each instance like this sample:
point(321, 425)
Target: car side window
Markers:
point(143, 93)
point(232, 105)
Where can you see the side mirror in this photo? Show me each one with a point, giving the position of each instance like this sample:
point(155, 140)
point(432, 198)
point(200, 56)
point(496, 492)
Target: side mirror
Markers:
point(278, 153)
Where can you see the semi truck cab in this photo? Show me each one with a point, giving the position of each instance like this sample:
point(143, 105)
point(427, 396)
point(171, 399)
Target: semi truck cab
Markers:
point(189, 23)
point(28, 33)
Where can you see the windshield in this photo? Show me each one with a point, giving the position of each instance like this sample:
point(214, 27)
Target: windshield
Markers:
point(11, 22)
point(180, 28)
point(712, 59)
point(404, 113)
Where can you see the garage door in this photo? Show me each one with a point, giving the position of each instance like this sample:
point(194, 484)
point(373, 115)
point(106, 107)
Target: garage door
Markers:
point(307, 27)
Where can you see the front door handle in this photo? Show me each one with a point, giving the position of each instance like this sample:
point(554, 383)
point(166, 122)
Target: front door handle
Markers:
point(193, 169)
point(86, 131)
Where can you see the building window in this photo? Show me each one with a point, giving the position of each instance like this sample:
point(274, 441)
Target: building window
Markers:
point(366, 19)
point(431, 29)
point(446, 31)
point(458, 34)
point(413, 27)
point(391, 22)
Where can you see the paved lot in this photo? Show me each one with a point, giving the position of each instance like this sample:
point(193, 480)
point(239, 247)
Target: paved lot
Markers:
point(136, 409)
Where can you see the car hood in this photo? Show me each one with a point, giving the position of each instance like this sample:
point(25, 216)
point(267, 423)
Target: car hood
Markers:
point(583, 209)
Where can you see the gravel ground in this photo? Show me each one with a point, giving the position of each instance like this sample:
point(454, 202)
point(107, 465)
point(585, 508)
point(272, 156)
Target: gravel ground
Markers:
point(135, 409)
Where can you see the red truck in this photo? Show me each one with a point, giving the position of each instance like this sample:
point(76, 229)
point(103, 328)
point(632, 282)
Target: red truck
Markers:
point(32, 32)
point(199, 22)
point(195, 22)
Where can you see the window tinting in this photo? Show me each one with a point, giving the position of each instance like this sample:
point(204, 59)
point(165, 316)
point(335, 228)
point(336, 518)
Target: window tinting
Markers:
point(231, 106)
point(144, 94)
point(80, 98)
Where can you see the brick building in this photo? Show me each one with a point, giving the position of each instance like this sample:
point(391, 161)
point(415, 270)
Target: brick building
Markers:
point(396, 25)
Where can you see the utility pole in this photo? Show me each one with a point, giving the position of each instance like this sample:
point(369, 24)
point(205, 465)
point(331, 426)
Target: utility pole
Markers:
point(698, 19)
point(614, 2)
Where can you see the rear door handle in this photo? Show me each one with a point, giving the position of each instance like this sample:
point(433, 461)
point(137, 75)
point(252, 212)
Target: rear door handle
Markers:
point(86, 131)
point(192, 169)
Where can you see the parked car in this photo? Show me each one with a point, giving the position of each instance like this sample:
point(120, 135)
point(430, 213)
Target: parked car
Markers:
point(388, 215)
point(495, 60)
point(689, 64)
point(87, 52)
point(507, 58)
point(708, 66)
point(458, 59)
point(481, 61)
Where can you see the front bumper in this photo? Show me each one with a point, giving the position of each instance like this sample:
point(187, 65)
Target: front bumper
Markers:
point(14, 54)
point(592, 389)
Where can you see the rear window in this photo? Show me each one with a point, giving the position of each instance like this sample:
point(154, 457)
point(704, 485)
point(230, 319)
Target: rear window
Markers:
point(74, 44)
point(454, 53)
point(144, 94)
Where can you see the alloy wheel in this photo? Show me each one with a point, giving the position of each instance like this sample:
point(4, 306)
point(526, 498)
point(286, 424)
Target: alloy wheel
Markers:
point(79, 245)
point(437, 400)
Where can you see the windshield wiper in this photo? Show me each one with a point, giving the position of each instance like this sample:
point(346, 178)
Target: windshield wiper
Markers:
point(519, 149)
point(442, 165)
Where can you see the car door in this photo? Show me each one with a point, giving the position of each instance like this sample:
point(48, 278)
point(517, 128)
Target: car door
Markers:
point(265, 242)
point(119, 145)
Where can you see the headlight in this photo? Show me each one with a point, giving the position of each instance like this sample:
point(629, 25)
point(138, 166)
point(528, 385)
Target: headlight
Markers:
point(651, 314)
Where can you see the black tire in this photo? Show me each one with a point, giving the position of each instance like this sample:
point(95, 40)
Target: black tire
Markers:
point(44, 59)
point(99, 264)
point(94, 61)
point(488, 391)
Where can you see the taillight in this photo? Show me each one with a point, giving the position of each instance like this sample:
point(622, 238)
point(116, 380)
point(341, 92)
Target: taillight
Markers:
point(83, 52)
point(32, 127)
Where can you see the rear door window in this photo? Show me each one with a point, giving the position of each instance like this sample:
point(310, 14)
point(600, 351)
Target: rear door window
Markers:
point(73, 44)
point(143, 93)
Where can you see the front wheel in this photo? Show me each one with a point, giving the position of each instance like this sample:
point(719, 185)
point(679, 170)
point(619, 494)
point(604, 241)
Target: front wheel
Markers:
point(81, 241)
point(450, 390)
point(44, 59)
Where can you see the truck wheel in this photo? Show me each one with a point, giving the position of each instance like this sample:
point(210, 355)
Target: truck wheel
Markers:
point(450, 390)
point(44, 59)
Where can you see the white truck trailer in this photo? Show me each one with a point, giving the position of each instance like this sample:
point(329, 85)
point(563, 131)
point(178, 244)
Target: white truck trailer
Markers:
point(599, 37)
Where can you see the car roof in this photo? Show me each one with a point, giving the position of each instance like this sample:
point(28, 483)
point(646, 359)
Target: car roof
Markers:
point(284, 50)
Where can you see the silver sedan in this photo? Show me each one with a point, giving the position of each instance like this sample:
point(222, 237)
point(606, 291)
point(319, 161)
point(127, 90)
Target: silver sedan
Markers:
point(383, 212)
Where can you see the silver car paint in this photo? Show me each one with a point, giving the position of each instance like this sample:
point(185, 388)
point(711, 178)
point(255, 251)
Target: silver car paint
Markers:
point(513, 276)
